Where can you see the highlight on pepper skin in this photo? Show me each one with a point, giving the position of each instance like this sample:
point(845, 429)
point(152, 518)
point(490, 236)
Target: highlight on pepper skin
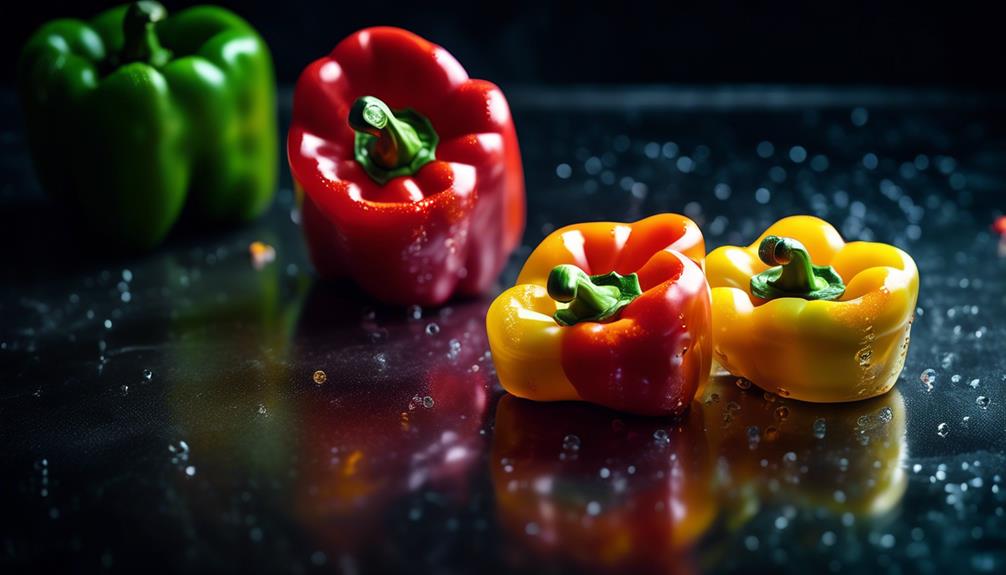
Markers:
point(408, 172)
point(610, 313)
point(801, 313)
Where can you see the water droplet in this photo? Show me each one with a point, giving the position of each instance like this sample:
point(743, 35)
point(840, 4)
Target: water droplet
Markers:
point(820, 428)
point(942, 430)
point(863, 356)
point(955, 378)
point(781, 412)
point(983, 402)
point(262, 410)
point(148, 375)
point(885, 415)
point(661, 437)
point(593, 508)
point(432, 329)
point(454, 348)
point(771, 433)
point(124, 389)
point(571, 442)
point(754, 436)
point(190, 470)
point(415, 312)
point(974, 383)
point(319, 377)
point(427, 402)
point(928, 377)
point(743, 383)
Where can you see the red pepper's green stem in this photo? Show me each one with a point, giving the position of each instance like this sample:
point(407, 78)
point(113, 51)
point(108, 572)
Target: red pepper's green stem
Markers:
point(794, 274)
point(387, 145)
point(591, 298)
point(397, 142)
point(140, 43)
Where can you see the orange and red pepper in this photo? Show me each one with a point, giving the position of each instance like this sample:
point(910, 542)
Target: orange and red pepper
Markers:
point(609, 313)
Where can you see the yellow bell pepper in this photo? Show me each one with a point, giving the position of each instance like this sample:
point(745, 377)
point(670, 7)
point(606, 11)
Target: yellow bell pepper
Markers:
point(832, 332)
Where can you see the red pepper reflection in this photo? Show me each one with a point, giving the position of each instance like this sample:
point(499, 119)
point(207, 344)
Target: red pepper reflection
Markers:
point(578, 483)
point(401, 410)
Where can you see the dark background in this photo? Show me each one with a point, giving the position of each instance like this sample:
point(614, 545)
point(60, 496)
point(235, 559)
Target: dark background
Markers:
point(518, 42)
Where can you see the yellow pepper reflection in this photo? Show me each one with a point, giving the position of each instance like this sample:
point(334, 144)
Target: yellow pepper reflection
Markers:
point(579, 484)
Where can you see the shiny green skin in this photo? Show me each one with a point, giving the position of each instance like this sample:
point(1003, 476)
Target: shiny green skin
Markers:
point(129, 146)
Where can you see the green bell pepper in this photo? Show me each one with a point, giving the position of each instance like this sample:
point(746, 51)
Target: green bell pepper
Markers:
point(135, 116)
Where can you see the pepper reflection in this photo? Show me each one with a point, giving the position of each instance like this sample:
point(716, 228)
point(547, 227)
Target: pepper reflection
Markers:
point(845, 457)
point(582, 485)
point(400, 410)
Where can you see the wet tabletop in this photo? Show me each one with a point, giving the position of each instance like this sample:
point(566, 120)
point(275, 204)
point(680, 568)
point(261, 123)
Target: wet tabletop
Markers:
point(186, 411)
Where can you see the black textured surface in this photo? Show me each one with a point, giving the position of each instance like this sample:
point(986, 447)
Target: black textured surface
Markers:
point(229, 457)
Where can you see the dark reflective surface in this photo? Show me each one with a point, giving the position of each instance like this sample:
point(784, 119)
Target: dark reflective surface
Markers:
point(180, 427)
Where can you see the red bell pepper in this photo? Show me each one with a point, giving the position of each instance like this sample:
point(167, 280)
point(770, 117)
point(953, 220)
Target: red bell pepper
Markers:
point(409, 172)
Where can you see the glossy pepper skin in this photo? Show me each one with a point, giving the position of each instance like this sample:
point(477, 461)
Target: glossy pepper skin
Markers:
point(847, 349)
point(427, 230)
point(650, 359)
point(135, 115)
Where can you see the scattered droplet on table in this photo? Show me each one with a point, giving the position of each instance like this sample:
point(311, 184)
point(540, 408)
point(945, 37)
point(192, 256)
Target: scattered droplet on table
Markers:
point(928, 377)
point(571, 442)
point(942, 430)
point(660, 437)
point(319, 377)
point(820, 428)
point(983, 402)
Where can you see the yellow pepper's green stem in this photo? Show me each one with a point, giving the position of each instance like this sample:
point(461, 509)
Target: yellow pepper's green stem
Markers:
point(794, 274)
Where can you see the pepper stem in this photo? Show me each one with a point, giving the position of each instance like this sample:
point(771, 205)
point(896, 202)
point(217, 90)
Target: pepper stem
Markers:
point(390, 145)
point(794, 274)
point(591, 298)
point(140, 43)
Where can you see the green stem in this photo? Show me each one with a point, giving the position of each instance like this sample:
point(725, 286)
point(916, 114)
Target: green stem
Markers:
point(797, 269)
point(793, 274)
point(397, 142)
point(590, 298)
point(390, 145)
point(140, 43)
